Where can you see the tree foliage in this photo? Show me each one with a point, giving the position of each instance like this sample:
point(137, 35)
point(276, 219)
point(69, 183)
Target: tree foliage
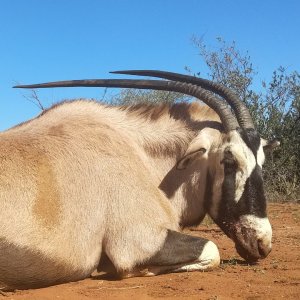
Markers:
point(280, 118)
point(134, 96)
point(274, 107)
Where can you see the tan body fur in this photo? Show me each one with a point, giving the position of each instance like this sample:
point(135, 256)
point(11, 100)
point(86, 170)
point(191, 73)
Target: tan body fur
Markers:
point(83, 178)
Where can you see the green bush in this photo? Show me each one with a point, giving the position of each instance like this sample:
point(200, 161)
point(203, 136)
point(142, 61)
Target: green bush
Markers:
point(275, 109)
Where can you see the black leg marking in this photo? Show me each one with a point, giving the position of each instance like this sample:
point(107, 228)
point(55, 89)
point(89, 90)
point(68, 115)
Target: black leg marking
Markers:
point(179, 248)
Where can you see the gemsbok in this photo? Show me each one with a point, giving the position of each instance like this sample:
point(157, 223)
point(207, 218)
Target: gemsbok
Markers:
point(84, 180)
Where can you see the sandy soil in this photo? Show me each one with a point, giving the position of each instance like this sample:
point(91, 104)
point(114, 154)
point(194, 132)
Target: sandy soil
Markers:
point(276, 277)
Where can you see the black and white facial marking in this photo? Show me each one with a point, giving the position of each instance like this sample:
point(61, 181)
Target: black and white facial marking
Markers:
point(239, 204)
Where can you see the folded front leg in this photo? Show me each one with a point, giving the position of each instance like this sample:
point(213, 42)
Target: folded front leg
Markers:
point(180, 252)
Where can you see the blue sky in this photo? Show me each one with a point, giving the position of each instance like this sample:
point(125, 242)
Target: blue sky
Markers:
point(46, 40)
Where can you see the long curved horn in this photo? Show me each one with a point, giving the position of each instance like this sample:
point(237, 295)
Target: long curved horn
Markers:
point(240, 109)
point(227, 118)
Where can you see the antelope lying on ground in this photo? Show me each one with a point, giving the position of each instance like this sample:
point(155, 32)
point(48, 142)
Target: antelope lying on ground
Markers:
point(83, 180)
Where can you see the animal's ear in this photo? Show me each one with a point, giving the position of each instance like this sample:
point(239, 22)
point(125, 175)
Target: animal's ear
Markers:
point(269, 145)
point(189, 157)
point(200, 145)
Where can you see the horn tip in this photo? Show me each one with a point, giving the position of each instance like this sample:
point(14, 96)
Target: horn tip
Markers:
point(121, 72)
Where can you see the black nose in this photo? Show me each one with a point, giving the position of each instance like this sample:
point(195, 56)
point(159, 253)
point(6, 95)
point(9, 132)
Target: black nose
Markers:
point(249, 256)
point(254, 251)
point(263, 249)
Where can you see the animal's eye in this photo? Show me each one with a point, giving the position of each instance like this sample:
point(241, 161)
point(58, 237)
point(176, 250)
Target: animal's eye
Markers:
point(229, 159)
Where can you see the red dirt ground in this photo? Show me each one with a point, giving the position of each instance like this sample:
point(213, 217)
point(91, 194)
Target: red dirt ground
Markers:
point(276, 277)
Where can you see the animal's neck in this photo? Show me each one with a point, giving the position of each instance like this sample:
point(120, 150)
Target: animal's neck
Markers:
point(165, 139)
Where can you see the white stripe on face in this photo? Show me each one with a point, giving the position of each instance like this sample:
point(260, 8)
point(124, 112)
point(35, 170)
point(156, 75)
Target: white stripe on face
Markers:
point(260, 155)
point(245, 159)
